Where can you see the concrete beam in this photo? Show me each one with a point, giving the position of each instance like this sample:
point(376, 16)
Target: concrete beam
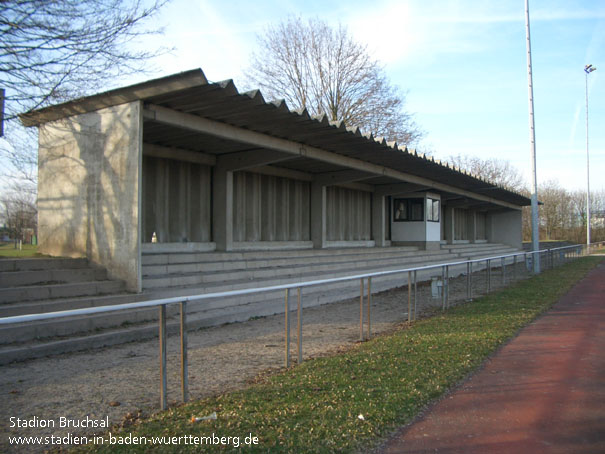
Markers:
point(341, 176)
point(248, 159)
point(282, 172)
point(399, 188)
point(158, 151)
point(230, 132)
point(357, 187)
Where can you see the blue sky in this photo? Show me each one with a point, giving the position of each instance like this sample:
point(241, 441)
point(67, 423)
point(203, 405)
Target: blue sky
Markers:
point(462, 63)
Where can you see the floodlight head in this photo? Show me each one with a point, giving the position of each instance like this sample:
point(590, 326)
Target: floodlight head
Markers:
point(589, 68)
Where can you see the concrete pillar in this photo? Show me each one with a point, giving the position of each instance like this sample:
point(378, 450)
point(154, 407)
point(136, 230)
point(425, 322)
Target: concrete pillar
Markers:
point(472, 227)
point(222, 209)
point(318, 215)
point(449, 227)
point(378, 220)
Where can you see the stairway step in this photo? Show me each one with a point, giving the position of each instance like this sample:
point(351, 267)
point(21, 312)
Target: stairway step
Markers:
point(258, 263)
point(41, 264)
point(64, 304)
point(45, 292)
point(196, 257)
point(299, 272)
point(56, 276)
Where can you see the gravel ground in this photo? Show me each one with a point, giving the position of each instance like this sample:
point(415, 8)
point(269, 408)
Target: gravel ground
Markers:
point(123, 381)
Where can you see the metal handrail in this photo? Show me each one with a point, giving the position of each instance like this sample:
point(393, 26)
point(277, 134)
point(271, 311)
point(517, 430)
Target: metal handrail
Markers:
point(179, 299)
point(183, 300)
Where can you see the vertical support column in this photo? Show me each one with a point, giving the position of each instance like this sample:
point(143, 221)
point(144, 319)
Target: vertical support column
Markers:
point(378, 220)
point(449, 225)
point(472, 230)
point(184, 361)
point(163, 375)
point(222, 209)
point(318, 215)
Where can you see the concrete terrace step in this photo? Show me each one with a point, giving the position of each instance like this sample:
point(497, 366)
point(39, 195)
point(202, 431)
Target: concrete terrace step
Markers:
point(142, 323)
point(7, 265)
point(45, 292)
point(353, 265)
point(231, 306)
point(63, 276)
point(194, 257)
point(23, 341)
point(64, 304)
point(184, 264)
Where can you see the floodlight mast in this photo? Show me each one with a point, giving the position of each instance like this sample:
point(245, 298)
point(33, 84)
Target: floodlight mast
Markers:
point(535, 232)
point(587, 69)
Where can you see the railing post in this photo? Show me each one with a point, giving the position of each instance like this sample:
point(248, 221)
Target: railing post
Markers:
point(300, 326)
point(369, 303)
point(470, 282)
point(184, 362)
point(415, 293)
point(443, 288)
point(514, 268)
point(447, 286)
point(287, 328)
point(503, 270)
point(361, 310)
point(489, 275)
point(409, 296)
point(163, 374)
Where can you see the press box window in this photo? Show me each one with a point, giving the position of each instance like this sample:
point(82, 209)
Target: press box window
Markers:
point(432, 210)
point(408, 210)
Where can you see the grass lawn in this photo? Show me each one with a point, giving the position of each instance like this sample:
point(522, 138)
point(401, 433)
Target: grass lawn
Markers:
point(316, 407)
point(7, 250)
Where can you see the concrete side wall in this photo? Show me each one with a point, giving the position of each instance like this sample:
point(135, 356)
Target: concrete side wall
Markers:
point(89, 183)
point(176, 201)
point(270, 208)
point(505, 227)
point(349, 214)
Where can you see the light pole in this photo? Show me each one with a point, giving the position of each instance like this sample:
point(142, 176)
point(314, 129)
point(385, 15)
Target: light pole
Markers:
point(535, 229)
point(587, 69)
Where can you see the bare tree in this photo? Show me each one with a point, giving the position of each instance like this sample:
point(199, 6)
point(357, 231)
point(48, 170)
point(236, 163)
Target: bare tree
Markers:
point(322, 69)
point(20, 214)
point(556, 213)
point(55, 50)
point(497, 171)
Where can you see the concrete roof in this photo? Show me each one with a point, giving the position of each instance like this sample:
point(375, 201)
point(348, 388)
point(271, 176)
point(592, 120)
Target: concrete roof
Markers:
point(190, 94)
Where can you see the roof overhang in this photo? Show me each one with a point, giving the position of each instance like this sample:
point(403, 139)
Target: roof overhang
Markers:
point(192, 119)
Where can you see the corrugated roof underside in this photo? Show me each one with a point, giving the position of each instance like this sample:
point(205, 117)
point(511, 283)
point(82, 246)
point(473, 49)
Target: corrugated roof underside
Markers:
point(222, 102)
